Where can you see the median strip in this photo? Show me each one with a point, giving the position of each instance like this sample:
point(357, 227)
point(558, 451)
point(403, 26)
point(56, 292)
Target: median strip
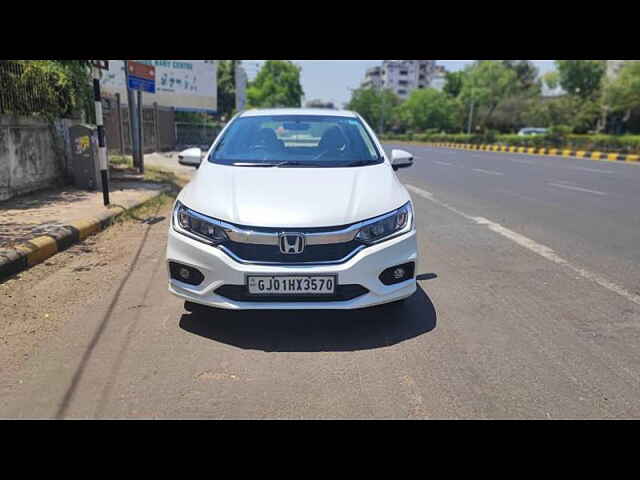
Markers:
point(551, 152)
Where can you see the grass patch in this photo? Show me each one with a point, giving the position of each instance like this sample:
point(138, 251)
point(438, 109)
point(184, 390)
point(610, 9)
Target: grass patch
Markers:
point(124, 161)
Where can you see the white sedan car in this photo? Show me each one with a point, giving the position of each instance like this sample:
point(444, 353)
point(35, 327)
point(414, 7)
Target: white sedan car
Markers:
point(293, 209)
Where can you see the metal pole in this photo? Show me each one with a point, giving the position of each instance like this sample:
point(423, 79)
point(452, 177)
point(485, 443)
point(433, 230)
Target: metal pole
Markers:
point(102, 149)
point(120, 130)
point(470, 119)
point(156, 122)
point(141, 133)
point(133, 118)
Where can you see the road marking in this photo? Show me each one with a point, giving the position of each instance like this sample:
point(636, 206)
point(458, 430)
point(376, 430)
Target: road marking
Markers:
point(533, 246)
point(591, 170)
point(443, 163)
point(577, 189)
point(488, 172)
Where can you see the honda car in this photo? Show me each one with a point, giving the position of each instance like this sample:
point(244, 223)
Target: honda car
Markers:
point(293, 209)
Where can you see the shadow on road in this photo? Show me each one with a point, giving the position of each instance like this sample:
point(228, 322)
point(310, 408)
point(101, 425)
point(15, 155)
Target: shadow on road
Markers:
point(315, 330)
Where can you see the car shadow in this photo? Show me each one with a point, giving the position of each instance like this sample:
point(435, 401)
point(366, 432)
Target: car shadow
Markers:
point(315, 330)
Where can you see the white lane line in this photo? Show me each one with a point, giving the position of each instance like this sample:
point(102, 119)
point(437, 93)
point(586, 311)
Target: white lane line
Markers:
point(533, 246)
point(443, 163)
point(577, 189)
point(488, 172)
point(591, 170)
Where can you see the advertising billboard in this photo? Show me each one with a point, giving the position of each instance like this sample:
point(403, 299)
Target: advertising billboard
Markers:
point(187, 85)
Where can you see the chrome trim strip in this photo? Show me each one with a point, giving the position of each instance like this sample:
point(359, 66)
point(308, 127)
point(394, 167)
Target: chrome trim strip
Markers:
point(239, 235)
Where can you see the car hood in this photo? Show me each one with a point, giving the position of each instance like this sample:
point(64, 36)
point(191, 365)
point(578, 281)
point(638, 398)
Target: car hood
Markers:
point(293, 197)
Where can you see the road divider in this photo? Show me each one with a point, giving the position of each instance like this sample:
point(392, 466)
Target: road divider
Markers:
point(550, 152)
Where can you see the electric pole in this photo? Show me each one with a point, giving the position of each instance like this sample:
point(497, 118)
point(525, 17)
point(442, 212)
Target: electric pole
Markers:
point(470, 118)
point(102, 149)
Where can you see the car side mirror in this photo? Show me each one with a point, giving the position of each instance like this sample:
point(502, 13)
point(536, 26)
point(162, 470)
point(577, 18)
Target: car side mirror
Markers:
point(401, 159)
point(190, 157)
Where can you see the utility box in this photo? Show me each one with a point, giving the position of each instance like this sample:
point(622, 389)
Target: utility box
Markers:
point(84, 157)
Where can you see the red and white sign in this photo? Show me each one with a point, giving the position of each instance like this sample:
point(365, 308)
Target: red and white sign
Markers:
point(142, 70)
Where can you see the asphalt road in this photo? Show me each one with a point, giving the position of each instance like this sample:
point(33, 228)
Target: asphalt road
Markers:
point(528, 307)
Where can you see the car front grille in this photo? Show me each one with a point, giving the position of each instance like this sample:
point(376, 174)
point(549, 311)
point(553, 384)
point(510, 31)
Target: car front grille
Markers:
point(240, 293)
point(327, 253)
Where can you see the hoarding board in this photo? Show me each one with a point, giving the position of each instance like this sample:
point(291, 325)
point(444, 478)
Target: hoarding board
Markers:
point(190, 85)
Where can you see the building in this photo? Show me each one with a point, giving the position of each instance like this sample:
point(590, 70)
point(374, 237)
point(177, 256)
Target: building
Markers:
point(373, 78)
point(439, 78)
point(401, 76)
point(614, 66)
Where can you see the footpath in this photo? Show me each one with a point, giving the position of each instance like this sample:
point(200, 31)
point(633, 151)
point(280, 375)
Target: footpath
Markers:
point(36, 226)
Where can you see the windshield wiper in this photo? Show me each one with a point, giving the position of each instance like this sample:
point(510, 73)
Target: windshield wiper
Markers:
point(359, 163)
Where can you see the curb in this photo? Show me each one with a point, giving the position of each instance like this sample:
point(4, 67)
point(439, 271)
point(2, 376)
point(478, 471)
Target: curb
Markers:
point(21, 257)
point(555, 152)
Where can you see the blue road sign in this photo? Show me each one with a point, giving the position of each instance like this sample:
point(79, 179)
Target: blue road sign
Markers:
point(144, 84)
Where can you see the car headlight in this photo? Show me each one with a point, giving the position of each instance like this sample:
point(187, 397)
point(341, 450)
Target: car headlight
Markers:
point(197, 226)
point(394, 223)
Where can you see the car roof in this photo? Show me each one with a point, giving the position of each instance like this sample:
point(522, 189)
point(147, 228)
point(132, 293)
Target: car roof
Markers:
point(298, 111)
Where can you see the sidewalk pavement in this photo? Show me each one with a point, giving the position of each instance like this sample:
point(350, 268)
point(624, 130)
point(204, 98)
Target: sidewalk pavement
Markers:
point(34, 227)
point(44, 212)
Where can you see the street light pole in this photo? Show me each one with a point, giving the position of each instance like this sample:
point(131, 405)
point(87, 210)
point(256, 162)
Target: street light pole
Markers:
point(470, 118)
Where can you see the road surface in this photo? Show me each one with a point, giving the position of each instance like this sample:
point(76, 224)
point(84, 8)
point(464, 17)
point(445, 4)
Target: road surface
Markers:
point(528, 307)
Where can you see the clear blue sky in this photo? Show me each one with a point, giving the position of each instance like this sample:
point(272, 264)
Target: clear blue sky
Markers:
point(330, 80)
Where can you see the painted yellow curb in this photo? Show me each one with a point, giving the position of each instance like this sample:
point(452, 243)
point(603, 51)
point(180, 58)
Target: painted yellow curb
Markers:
point(86, 227)
point(45, 248)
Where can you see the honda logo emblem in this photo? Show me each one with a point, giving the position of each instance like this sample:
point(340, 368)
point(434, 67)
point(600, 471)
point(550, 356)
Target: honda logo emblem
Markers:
point(291, 243)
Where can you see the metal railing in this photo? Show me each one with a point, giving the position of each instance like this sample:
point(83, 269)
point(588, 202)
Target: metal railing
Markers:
point(20, 95)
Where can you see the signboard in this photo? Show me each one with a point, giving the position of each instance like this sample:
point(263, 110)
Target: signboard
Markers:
point(142, 77)
point(188, 85)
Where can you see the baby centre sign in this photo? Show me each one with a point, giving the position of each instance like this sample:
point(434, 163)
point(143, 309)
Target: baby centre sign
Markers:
point(189, 85)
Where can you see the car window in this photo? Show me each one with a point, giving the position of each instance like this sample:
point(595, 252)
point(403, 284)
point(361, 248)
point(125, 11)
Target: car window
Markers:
point(296, 140)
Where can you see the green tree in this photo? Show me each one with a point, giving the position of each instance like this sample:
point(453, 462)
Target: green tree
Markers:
point(621, 93)
point(551, 80)
point(375, 105)
point(226, 88)
point(526, 72)
point(453, 83)
point(486, 84)
point(428, 109)
point(581, 77)
point(276, 85)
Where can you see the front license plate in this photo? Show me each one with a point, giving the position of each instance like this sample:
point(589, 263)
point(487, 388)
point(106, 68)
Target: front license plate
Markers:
point(291, 285)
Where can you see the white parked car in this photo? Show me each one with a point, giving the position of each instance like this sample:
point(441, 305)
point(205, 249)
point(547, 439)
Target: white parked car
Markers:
point(293, 208)
point(524, 132)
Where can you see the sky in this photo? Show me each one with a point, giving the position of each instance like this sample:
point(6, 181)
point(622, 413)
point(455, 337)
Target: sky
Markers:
point(331, 80)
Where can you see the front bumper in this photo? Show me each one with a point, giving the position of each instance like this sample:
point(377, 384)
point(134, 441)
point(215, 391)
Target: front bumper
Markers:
point(363, 269)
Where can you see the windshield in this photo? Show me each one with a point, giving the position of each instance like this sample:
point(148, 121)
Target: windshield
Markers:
point(296, 141)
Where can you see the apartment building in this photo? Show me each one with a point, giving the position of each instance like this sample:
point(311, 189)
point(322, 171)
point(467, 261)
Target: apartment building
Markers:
point(614, 66)
point(401, 76)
